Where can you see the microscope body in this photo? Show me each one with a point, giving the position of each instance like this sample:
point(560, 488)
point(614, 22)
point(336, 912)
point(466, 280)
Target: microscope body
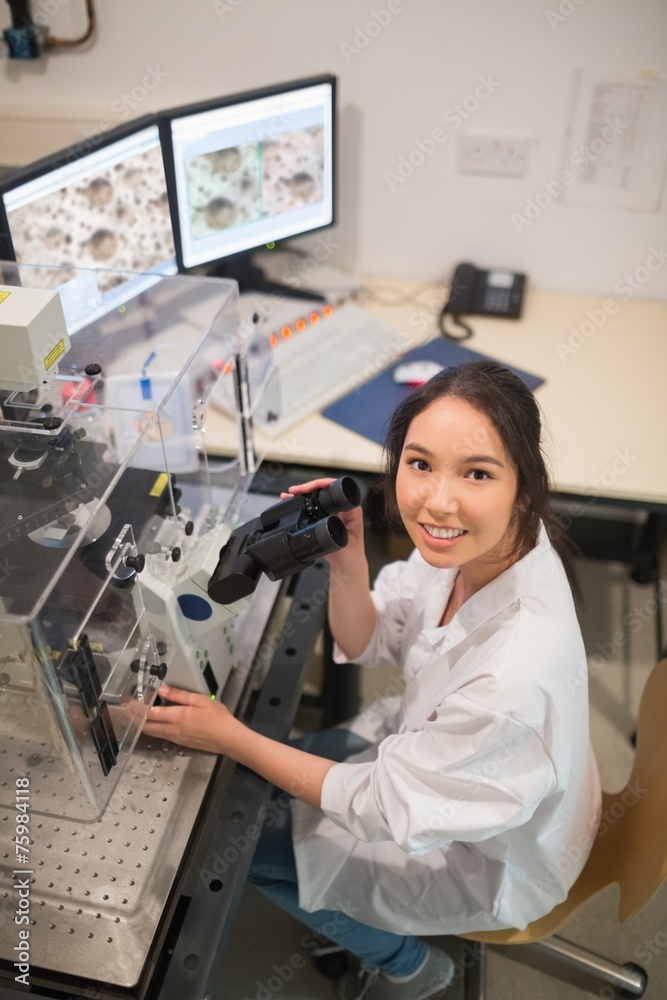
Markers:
point(197, 631)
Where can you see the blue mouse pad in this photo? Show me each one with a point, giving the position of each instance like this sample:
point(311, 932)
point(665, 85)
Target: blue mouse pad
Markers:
point(367, 410)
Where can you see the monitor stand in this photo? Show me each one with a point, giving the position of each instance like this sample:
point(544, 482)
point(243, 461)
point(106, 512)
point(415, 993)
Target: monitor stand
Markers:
point(251, 278)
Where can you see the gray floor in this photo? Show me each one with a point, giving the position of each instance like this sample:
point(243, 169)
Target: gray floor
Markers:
point(266, 957)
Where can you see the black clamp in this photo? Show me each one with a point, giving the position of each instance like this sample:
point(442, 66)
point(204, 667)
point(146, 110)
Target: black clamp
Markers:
point(79, 668)
point(102, 731)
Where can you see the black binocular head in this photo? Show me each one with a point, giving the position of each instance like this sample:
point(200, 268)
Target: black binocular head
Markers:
point(284, 539)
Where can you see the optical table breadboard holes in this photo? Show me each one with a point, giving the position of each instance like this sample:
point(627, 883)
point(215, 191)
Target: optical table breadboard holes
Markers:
point(98, 889)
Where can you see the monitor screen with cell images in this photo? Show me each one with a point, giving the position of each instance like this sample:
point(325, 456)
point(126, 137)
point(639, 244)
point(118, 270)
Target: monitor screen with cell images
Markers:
point(101, 204)
point(251, 169)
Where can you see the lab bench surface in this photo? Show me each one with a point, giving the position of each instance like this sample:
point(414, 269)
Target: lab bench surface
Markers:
point(146, 908)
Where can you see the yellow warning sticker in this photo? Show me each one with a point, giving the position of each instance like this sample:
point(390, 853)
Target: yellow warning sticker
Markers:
point(4, 295)
point(53, 355)
point(159, 485)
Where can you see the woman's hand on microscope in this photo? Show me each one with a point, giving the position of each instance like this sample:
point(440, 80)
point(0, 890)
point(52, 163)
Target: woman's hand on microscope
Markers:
point(192, 720)
point(352, 519)
point(196, 721)
point(352, 613)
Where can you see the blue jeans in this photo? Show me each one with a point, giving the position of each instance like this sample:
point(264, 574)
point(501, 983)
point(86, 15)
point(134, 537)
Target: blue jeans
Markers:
point(273, 871)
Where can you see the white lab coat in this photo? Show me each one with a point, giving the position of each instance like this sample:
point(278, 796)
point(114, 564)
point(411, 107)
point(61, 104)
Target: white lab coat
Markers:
point(478, 802)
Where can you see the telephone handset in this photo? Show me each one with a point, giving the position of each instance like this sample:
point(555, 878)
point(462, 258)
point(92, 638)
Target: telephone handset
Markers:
point(482, 293)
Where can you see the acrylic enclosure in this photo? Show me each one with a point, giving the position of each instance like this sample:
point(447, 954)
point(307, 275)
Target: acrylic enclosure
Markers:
point(111, 524)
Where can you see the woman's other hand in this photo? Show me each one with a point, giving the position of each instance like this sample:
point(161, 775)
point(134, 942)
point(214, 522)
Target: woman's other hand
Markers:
point(192, 720)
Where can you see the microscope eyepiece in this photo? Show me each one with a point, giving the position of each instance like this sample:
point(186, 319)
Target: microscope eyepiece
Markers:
point(318, 539)
point(343, 494)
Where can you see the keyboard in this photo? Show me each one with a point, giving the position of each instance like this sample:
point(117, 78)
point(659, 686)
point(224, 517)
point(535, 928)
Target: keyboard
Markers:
point(327, 359)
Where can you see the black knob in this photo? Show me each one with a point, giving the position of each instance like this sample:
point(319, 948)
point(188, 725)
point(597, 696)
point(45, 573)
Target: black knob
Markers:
point(159, 670)
point(136, 563)
point(189, 528)
point(134, 666)
point(93, 369)
point(176, 553)
point(51, 423)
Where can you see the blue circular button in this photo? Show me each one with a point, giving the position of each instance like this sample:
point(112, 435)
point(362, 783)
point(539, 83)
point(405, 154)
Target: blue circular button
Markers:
point(194, 607)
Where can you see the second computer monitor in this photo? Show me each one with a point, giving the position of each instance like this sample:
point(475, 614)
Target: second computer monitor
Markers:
point(98, 206)
point(252, 169)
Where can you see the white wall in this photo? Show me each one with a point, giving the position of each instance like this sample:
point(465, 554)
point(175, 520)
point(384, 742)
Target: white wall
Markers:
point(393, 92)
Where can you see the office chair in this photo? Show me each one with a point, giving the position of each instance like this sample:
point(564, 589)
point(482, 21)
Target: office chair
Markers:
point(630, 849)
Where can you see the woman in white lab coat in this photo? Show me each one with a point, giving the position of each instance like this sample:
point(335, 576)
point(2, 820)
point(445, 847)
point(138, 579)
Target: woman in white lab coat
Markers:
point(470, 799)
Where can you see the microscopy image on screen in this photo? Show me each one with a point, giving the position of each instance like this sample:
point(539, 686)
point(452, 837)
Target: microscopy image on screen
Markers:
point(292, 170)
point(117, 219)
point(223, 188)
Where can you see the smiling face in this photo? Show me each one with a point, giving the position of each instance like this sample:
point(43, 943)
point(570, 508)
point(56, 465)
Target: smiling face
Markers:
point(456, 490)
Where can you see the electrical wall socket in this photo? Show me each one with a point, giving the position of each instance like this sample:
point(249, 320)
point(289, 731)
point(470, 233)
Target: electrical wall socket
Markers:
point(493, 155)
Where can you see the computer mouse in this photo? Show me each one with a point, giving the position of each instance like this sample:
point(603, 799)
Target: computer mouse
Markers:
point(415, 372)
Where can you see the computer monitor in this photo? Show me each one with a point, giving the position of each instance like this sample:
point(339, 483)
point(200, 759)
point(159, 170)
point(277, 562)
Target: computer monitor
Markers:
point(100, 204)
point(249, 170)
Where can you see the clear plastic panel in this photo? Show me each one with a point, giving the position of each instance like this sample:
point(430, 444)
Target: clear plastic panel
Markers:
point(265, 397)
point(110, 527)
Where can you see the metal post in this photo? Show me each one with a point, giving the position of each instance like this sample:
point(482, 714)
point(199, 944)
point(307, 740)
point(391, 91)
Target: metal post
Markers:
point(475, 971)
point(247, 456)
point(628, 977)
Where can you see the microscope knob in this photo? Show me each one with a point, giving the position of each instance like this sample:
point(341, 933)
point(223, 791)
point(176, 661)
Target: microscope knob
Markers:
point(159, 670)
point(176, 553)
point(189, 528)
point(136, 563)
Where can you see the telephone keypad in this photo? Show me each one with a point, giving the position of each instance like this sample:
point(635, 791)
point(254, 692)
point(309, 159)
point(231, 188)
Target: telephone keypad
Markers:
point(497, 300)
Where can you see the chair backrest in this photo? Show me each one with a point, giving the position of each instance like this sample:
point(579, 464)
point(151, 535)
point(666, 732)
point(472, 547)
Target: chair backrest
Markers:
point(631, 844)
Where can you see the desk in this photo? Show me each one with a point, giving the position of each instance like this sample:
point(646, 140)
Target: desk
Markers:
point(604, 400)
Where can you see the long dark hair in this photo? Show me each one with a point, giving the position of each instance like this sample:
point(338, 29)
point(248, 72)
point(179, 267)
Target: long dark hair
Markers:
point(512, 409)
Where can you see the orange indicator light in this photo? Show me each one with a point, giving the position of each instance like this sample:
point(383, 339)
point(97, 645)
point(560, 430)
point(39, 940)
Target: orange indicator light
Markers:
point(327, 311)
point(286, 332)
point(300, 325)
point(273, 340)
point(314, 318)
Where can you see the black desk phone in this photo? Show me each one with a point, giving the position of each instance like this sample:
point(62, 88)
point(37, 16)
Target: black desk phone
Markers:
point(482, 293)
